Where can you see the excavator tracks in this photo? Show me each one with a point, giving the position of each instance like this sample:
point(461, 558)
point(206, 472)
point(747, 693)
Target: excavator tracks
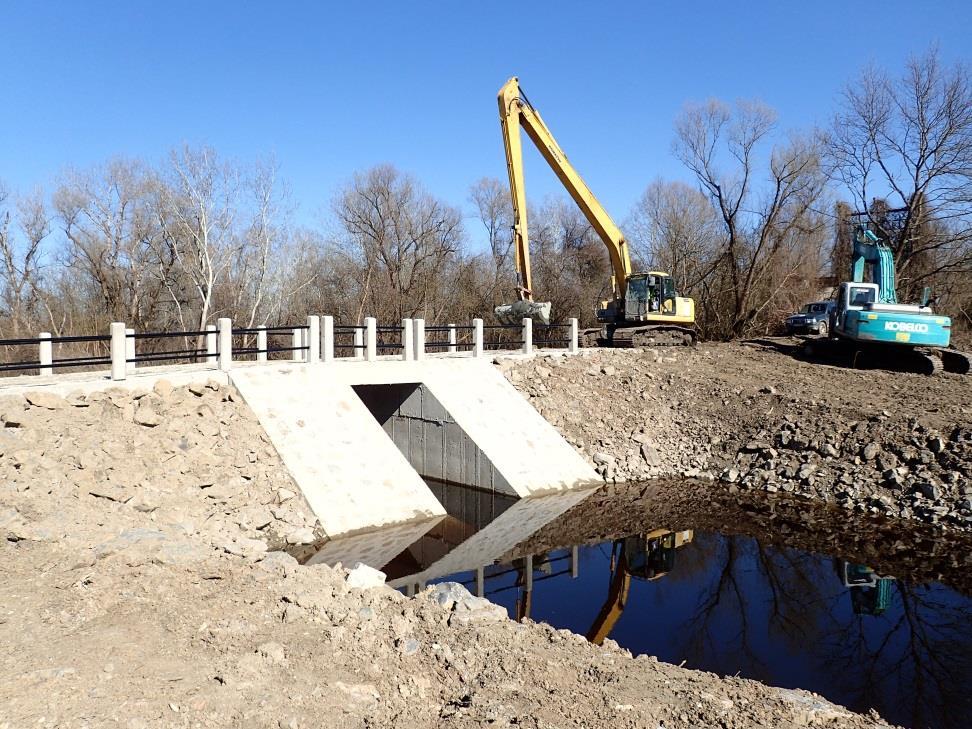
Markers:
point(924, 361)
point(956, 361)
point(640, 337)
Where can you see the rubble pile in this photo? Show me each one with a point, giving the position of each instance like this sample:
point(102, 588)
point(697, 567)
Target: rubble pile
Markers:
point(757, 420)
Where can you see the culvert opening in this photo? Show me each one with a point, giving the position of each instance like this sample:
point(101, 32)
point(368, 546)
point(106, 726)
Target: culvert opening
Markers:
point(428, 436)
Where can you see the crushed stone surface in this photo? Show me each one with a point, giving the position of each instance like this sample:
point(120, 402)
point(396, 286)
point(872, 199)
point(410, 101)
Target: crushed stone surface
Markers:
point(754, 419)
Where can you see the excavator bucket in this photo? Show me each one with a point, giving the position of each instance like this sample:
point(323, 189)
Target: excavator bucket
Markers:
point(515, 313)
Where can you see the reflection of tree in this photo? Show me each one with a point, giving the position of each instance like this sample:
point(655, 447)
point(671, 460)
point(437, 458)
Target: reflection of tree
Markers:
point(921, 658)
point(913, 663)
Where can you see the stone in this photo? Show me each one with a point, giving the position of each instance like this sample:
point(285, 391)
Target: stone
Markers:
point(302, 535)
point(284, 495)
point(145, 415)
point(603, 459)
point(871, 451)
point(163, 388)
point(12, 416)
point(47, 400)
point(928, 490)
point(936, 444)
point(278, 563)
point(650, 455)
point(273, 651)
point(363, 577)
point(197, 388)
point(608, 370)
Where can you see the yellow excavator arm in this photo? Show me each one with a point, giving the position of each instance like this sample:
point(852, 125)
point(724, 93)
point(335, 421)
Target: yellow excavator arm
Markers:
point(516, 111)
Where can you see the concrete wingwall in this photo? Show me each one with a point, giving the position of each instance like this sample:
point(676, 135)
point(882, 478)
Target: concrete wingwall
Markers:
point(430, 438)
point(358, 437)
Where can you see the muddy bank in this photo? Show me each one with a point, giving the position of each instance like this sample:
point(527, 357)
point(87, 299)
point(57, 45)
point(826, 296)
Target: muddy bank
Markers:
point(756, 419)
point(140, 589)
point(922, 552)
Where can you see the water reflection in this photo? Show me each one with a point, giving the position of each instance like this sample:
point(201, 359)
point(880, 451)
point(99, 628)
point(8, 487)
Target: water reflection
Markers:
point(782, 592)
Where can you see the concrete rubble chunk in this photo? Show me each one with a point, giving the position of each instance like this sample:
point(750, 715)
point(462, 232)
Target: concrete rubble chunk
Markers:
point(303, 535)
point(47, 400)
point(364, 577)
point(603, 459)
point(146, 415)
point(464, 606)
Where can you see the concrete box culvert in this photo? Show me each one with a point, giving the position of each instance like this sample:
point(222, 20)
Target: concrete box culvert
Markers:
point(428, 436)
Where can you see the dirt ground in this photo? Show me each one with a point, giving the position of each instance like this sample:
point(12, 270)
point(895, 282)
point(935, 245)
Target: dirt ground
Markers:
point(141, 586)
point(754, 417)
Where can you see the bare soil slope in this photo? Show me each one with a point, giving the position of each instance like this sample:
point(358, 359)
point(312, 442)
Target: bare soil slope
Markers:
point(755, 418)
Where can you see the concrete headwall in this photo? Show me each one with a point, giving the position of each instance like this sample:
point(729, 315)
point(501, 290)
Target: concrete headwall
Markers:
point(429, 436)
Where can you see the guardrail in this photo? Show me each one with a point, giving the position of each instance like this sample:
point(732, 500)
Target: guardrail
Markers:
point(319, 339)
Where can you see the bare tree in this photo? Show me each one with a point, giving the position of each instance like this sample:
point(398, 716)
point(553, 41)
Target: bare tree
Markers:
point(110, 226)
point(908, 140)
point(759, 222)
point(20, 264)
point(404, 241)
point(199, 208)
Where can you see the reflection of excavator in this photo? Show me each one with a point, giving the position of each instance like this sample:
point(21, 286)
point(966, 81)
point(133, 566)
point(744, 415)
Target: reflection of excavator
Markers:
point(870, 593)
point(648, 557)
point(645, 308)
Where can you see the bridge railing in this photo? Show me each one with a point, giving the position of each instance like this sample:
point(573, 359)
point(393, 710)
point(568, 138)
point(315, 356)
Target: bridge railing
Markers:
point(319, 339)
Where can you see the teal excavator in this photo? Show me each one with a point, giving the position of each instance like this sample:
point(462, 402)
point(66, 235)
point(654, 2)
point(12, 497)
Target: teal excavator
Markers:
point(868, 324)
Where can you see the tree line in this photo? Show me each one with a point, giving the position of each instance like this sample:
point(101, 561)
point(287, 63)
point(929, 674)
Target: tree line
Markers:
point(764, 227)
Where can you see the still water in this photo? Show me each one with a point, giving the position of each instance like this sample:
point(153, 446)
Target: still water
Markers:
point(791, 595)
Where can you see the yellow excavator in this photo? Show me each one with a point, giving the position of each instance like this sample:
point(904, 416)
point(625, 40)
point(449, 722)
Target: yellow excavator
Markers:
point(645, 308)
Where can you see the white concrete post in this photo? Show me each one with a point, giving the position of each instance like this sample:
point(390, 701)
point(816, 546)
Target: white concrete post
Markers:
point(453, 348)
point(528, 336)
point(118, 350)
point(573, 345)
point(418, 325)
point(225, 344)
point(261, 344)
point(129, 351)
point(313, 339)
point(295, 341)
point(358, 344)
point(45, 354)
point(371, 338)
point(408, 343)
point(478, 338)
point(327, 353)
point(211, 345)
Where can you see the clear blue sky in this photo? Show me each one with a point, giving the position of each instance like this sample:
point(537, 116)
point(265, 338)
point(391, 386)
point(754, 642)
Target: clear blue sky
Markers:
point(331, 88)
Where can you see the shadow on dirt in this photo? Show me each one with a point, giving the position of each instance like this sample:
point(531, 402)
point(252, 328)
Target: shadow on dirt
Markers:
point(791, 346)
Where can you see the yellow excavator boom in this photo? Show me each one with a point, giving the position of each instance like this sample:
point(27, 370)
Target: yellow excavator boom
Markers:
point(516, 111)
